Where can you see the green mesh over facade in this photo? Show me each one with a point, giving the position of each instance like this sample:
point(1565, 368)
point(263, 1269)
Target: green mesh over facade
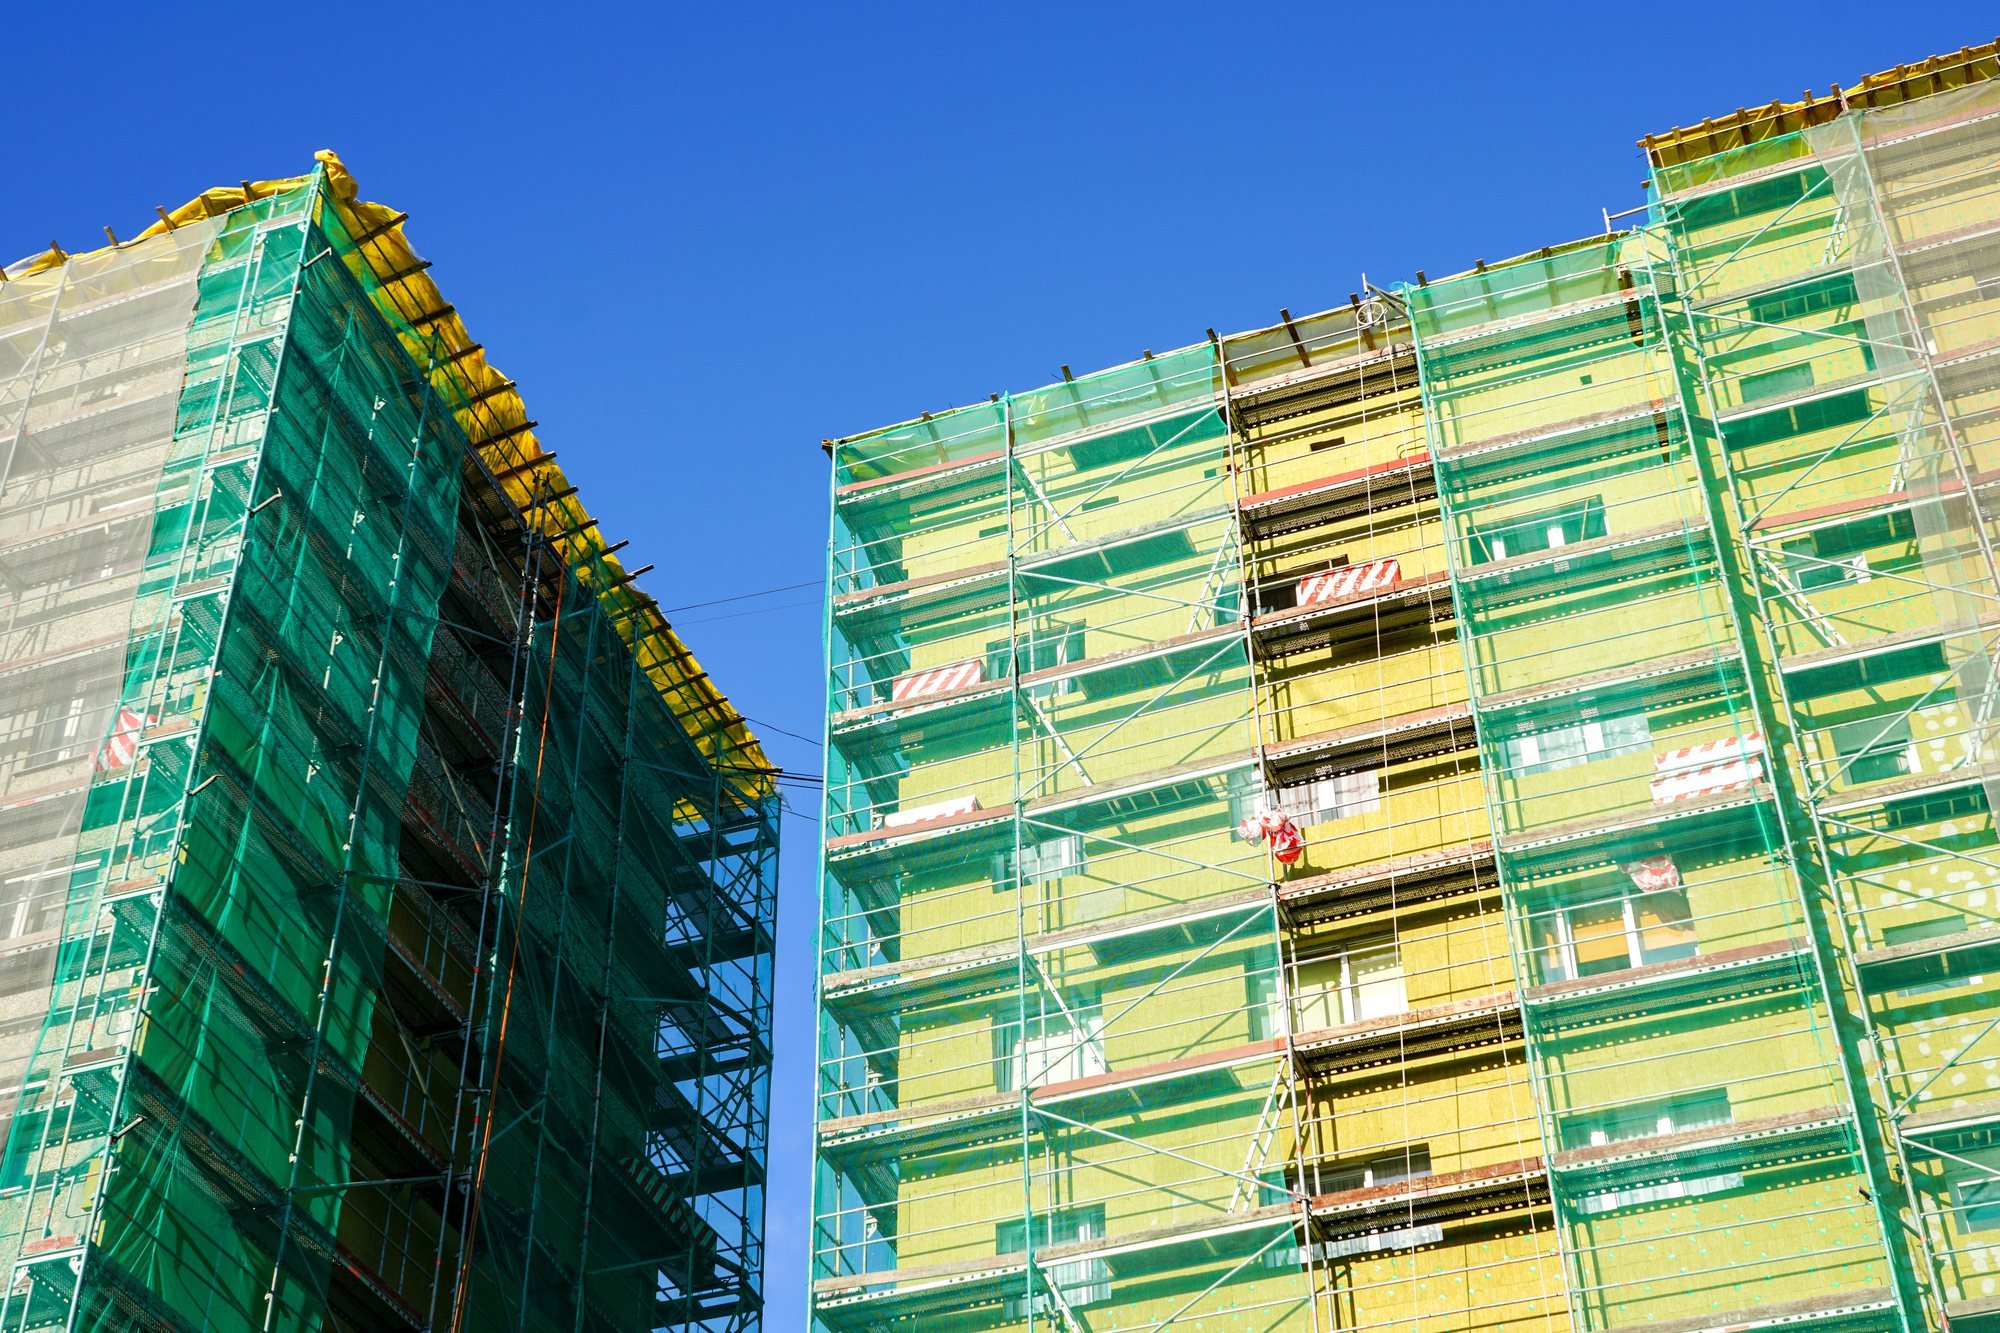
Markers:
point(1678, 1026)
point(1047, 1059)
point(1841, 329)
point(1606, 640)
point(414, 967)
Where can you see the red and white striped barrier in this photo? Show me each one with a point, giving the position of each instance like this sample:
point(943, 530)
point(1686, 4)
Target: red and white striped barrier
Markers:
point(938, 680)
point(1711, 752)
point(1349, 579)
point(122, 744)
point(957, 805)
point(1693, 782)
point(1729, 764)
point(1275, 827)
point(651, 1184)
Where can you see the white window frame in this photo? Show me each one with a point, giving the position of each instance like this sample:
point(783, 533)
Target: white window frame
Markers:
point(1349, 990)
point(1563, 951)
point(1971, 1180)
point(1081, 1282)
point(1058, 1051)
point(1521, 756)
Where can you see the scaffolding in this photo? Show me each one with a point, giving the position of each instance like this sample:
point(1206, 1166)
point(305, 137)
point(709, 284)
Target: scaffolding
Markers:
point(1418, 1145)
point(1090, 1054)
point(1832, 282)
point(1680, 1030)
point(1464, 810)
point(394, 906)
point(1051, 1081)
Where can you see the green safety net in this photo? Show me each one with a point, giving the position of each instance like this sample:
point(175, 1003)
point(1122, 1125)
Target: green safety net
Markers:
point(1679, 1028)
point(414, 964)
point(1050, 1088)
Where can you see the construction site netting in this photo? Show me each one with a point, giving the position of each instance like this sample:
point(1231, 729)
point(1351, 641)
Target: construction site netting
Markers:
point(489, 410)
point(1615, 698)
point(1417, 1142)
point(1837, 281)
point(1679, 1028)
point(411, 965)
point(1051, 1085)
point(95, 354)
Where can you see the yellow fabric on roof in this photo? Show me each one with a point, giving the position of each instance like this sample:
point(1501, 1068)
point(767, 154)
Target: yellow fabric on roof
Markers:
point(1970, 64)
point(491, 413)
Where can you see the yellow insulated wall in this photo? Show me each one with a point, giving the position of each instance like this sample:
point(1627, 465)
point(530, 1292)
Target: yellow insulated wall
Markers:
point(1464, 810)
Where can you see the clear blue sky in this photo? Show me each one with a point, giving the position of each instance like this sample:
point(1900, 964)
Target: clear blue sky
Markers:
point(704, 237)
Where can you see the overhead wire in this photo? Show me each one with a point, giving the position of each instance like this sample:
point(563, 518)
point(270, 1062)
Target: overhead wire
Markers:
point(782, 732)
point(758, 611)
point(742, 597)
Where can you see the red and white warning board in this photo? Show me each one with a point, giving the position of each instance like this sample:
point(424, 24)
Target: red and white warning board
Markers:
point(1729, 764)
point(938, 680)
point(1348, 580)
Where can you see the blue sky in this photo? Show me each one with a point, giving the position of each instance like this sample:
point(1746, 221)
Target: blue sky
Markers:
point(703, 238)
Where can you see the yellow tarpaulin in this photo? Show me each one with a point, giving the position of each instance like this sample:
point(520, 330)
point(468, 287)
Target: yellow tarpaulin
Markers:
point(491, 413)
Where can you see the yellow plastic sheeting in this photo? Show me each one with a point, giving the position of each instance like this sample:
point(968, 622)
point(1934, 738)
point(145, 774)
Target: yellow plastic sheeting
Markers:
point(490, 411)
point(208, 204)
point(1969, 64)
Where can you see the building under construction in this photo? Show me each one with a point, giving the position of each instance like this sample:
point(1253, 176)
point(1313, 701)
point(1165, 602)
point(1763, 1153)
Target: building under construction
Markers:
point(1470, 810)
point(388, 895)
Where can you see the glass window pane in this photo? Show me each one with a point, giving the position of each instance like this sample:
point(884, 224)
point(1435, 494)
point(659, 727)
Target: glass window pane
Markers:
point(1599, 933)
point(1666, 928)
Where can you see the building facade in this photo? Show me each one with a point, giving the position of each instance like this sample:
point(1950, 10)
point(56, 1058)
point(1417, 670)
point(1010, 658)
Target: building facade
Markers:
point(1466, 811)
point(388, 894)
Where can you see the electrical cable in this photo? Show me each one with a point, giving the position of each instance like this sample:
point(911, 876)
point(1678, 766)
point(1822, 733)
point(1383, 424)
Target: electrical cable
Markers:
point(740, 597)
point(782, 606)
point(782, 732)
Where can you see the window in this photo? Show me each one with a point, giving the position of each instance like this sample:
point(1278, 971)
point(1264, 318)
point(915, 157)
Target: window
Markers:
point(1412, 1163)
point(33, 902)
point(1951, 923)
point(1228, 605)
point(1041, 862)
point(1081, 1281)
point(1771, 383)
point(1975, 1194)
point(1052, 643)
point(1689, 1188)
point(1583, 743)
point(57, 738)
point(1548, 530)
point(1839, 554)
point(1644, 1120)
point(1365, 980)
point(1052, 862)
point(1062, 1045)
point(1279, 593)
point(1373, 1242)
point(1342, 797)
point(1808, 571)
point(1795, 303)
point(1614, 934)
point(1925, 659)
point(1875, 749)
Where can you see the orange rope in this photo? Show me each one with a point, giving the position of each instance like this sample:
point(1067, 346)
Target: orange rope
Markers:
point(507, 1002)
